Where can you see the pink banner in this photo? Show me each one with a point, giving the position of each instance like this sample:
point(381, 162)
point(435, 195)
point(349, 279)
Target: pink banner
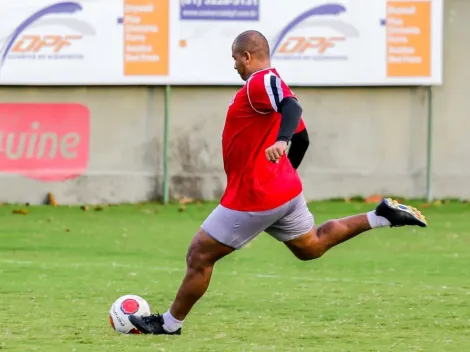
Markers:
point(46, 142)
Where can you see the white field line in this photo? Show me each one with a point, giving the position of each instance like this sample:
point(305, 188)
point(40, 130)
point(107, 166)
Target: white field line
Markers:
point(251, 275)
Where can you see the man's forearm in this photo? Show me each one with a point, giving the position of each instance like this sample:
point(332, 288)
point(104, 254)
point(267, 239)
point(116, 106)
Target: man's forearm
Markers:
point(291, 112)
point(298, 148)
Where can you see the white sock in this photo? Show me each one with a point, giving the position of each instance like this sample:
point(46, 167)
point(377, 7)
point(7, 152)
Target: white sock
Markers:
point(376, 220)
point(171, 324)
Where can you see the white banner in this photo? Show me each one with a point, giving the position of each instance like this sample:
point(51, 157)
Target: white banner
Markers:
point(313, 42)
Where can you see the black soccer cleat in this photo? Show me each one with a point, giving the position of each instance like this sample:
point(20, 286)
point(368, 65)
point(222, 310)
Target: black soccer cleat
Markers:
point(152, 324)
point(400, 214)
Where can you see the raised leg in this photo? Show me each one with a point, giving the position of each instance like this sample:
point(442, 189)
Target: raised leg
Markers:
point(319, 240)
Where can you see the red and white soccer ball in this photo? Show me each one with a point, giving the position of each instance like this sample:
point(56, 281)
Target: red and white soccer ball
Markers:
point(122, 308)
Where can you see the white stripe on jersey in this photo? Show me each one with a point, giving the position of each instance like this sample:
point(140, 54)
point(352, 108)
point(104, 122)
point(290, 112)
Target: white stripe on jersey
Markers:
point(272, 84)
point(273, 88)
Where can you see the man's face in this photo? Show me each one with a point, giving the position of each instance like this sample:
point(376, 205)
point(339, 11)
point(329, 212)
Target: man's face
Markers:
point(242, 62)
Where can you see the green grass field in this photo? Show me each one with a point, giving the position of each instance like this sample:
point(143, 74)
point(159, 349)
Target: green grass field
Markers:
point(402, 289)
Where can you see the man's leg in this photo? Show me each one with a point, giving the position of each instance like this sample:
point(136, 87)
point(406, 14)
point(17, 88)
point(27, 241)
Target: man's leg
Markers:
point(202, 254)
point(204, 251)
point(315, 242)
point(223, 231)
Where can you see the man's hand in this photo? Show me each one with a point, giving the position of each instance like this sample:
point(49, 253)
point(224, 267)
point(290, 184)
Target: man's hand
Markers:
point(274, 152)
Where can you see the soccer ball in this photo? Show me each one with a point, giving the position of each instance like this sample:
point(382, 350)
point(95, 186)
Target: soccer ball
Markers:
point(122, 308)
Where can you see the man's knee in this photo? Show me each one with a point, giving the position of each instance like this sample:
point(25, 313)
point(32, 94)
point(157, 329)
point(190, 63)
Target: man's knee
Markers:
point(307, 247)
point(314, 245)
point(204, 251)
point(310, 254)
point(196, 259)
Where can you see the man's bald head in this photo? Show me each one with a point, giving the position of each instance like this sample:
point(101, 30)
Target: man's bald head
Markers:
point(250, 51)
point(252, 42)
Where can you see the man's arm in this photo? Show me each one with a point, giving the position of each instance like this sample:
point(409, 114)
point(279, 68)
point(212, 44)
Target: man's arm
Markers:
point(268, 93)
point(298, 148)
point(291, 113)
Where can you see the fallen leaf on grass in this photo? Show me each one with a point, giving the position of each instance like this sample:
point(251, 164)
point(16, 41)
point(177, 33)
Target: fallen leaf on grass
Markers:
point(373, 199)
point(186, 200)
point(150, 211)
point(51, 199)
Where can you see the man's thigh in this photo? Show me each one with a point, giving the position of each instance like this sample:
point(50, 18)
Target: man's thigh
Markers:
point(297, 221)
point(236, 228)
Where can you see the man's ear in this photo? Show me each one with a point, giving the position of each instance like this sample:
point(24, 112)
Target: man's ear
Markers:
point(247, 56)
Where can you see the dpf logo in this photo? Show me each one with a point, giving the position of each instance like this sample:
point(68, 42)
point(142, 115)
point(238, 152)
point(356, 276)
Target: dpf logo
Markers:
point(316, 34)
point(51, 33)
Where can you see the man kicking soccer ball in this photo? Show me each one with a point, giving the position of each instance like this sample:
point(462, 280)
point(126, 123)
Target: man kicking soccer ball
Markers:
point(264, 191)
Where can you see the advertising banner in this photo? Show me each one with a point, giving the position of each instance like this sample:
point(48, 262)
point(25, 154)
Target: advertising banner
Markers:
point(84, 42)
point(45, 142)
point(188, 42)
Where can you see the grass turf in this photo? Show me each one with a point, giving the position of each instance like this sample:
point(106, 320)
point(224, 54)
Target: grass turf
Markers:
point(388, 290)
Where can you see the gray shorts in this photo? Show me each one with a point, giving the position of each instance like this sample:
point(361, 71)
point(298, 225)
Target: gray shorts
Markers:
point(236, 228)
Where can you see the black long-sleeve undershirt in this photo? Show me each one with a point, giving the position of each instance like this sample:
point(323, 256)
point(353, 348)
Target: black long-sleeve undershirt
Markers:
point(298, 148)
point(291, 112)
